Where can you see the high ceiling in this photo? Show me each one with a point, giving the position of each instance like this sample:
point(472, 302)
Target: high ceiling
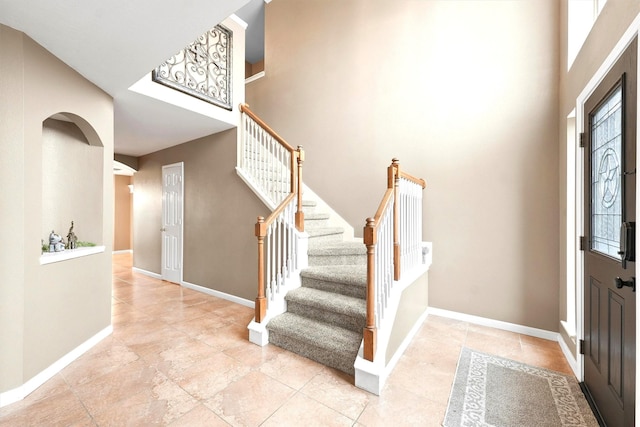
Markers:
point(114, 44)
point(253, 15)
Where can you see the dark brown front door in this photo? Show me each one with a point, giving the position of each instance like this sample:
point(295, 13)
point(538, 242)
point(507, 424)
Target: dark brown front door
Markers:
point(610, 214)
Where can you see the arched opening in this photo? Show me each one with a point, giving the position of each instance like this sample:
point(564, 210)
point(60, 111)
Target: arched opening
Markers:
point(72, 179)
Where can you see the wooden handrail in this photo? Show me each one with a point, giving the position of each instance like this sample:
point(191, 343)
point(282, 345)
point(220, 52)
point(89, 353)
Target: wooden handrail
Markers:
point(419, 181)
point(277, 211)
point(383, 205)
point(245, 109)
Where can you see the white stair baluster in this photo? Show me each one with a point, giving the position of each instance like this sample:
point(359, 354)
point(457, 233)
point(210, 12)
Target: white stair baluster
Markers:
point(268, 263)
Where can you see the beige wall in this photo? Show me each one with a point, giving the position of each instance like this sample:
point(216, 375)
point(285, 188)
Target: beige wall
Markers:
point(123, 213)
point(220, 249)
point(414, 302)
point(615, 18)
point(12, 202)
point(45, 311)
point(251, 69)
point(465, 95)
point(130, 161)
point(71, 172)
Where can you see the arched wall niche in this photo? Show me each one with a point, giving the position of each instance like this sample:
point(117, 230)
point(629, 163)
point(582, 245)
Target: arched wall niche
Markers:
point(89, 132)
point(72, 178)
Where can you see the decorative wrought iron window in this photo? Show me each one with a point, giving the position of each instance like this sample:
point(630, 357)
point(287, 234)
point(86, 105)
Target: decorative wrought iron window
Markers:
point(202, 69)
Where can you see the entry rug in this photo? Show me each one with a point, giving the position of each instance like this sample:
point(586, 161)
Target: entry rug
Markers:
point(492, 391)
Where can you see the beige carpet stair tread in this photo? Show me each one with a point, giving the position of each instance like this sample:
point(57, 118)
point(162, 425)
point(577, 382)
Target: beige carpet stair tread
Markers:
point(337, 248)
point(319, 334)
point(329, 301)
point(325, 231)
point(313, 216)
point(346, 274)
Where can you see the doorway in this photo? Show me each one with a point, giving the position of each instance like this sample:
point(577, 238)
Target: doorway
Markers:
point(609, 257)
point(172, 221)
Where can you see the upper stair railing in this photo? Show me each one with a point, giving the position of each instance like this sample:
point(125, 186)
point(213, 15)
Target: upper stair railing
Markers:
point(274, 169)
point(394, 244)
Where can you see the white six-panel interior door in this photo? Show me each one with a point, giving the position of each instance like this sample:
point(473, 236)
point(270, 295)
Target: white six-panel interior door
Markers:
point(172, 221)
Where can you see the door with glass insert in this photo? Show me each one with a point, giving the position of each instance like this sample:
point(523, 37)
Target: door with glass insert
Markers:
point(610, 199)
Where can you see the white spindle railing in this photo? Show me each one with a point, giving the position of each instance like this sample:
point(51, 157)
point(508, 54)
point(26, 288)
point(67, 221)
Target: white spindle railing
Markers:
point(280, 252)
point(273, 170)
point(265, 161)
point(384, 262)
point(394, 245)
point(410, 224)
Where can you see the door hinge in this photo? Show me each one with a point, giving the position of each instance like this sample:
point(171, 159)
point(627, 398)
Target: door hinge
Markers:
point(582, 243)
point(582, 139)
point(581, 346)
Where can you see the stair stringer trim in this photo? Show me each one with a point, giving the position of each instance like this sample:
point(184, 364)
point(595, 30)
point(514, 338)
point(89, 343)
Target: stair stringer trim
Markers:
point(335, 219)
point(258, 333)
point(261, 195)
point(371, 376)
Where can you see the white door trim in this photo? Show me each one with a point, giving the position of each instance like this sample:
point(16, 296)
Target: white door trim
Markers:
point(575, 215)
point(181, 239)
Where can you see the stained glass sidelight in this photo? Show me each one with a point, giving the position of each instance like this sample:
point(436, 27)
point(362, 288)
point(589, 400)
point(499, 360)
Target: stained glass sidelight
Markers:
point(606, 175)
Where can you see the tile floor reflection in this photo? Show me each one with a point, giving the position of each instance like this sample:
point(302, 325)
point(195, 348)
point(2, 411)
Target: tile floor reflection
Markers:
point(182, 358)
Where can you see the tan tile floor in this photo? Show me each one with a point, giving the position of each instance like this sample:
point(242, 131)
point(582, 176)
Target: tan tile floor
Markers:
point(182, 358)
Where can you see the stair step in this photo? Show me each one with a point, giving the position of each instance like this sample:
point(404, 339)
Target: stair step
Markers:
point(325, 234)
point(329, 307)
point(350, 280)
point(315, 220)
point(337, 253)
point(327, 344)
point(316, 216)
point(309, 206)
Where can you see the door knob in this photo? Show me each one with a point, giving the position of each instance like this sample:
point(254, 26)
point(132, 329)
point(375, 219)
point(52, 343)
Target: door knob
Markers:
point(163, 229)
point(622, 283)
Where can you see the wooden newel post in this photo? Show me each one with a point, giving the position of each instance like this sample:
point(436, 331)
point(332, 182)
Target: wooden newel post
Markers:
point(369, 332)
point(395, 165)
point(261, 301)
point(299, 213)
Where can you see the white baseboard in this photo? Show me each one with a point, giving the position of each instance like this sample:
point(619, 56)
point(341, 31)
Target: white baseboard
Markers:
point(202, 289)
point(497, 324)
point(19, 393)
point(219, 294)
point(123, 251)
point(147, 273)
point(570, 359)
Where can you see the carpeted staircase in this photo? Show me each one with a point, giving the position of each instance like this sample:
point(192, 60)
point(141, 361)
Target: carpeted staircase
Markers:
point(327, 313)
